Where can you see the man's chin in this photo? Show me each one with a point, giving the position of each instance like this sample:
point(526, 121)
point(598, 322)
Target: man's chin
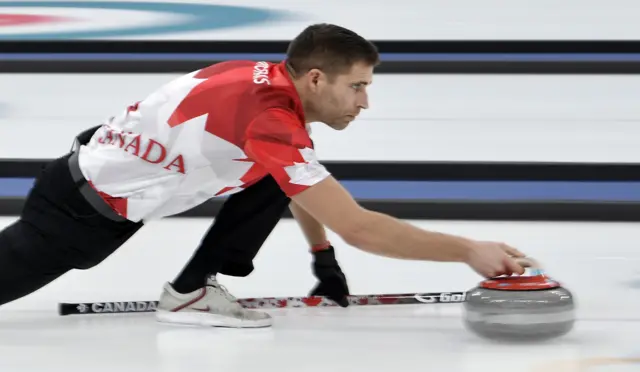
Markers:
point(342, 123)
point(339, 126)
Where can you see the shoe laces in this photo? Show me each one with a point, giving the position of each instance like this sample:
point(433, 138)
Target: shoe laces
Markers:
point(225, 292)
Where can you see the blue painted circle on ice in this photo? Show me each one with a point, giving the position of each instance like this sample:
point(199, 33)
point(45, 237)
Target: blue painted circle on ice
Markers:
point(199, 17)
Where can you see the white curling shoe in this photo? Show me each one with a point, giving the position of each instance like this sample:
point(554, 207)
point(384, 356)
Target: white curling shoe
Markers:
point(211, 306)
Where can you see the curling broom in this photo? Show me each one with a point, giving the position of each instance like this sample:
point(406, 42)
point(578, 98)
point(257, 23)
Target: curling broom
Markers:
point(87, 308)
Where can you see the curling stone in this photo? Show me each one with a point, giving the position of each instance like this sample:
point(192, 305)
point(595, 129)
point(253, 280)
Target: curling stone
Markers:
point(520, 308)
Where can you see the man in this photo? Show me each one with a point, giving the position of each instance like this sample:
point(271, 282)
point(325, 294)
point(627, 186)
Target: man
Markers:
point(237, 129)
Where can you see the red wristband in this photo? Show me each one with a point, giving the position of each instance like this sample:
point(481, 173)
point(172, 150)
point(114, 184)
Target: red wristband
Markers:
point(321, 246)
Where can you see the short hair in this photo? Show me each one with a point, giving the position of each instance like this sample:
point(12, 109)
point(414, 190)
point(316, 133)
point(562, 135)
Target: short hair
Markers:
point(330, 48)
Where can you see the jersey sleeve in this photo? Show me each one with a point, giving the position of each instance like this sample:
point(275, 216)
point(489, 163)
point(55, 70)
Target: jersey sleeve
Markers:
point(277, 141)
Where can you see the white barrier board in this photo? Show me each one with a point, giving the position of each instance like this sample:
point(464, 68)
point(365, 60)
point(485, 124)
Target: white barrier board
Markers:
point(412, 117)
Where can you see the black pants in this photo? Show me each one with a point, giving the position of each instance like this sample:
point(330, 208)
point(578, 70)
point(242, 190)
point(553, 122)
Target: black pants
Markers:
point(59, 231)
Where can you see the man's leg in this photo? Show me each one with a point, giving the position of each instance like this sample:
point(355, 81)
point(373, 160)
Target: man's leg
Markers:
point(244, 223)
point(229, 247)
point(23, 269)
point(57, 231)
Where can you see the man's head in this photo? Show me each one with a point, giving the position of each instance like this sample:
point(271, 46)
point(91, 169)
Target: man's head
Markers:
point(331, 67)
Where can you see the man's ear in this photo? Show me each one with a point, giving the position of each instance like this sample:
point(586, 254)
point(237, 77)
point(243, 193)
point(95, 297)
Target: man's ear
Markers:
point(316, 78)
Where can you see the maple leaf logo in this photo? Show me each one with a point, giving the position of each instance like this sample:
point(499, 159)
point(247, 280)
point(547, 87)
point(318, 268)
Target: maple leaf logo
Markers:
point(201, 100)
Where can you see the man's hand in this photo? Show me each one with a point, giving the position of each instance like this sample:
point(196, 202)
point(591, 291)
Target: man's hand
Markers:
point(491, 259)
point(332, 282)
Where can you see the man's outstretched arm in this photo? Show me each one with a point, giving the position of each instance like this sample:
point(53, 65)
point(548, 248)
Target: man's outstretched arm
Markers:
point(331, 205)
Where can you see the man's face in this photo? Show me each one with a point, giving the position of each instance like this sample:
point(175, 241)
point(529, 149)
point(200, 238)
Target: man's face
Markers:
point(339, 99)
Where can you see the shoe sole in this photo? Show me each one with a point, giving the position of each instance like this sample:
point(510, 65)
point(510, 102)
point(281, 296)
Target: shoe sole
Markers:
point(209, 320)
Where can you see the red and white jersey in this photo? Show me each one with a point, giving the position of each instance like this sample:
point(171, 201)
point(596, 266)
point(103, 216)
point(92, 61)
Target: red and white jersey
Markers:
point(209, 133)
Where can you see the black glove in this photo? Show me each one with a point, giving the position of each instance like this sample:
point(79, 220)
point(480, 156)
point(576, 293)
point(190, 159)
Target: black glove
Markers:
point(331, 280)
